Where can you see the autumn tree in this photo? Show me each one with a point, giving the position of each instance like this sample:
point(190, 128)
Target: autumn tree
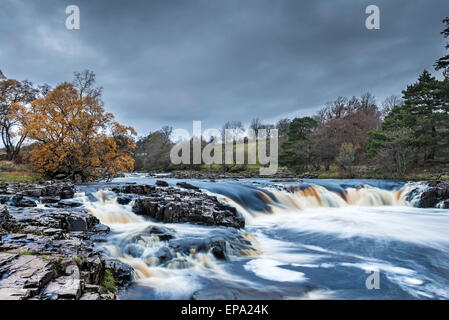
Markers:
point(14, 98)
point(75, 137)
point(345, 121)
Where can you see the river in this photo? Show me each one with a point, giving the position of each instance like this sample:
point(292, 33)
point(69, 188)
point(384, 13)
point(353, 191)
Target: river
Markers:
point(319, 239)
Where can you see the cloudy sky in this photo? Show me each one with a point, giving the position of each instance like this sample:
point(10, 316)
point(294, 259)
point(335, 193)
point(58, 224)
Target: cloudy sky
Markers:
point(175, 61)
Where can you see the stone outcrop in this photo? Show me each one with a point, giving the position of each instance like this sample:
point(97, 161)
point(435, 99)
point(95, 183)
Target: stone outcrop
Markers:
point(437, 193)
point(176, 205)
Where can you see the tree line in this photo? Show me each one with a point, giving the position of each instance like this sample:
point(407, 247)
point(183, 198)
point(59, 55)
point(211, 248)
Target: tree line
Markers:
point(408, 130)
point(349, 133)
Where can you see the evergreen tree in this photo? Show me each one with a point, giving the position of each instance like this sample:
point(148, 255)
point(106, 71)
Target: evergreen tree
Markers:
point(426, 112)
point(443, 62)
point(297, 154)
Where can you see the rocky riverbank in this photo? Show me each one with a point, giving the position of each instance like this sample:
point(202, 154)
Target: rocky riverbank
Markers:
point(47, 249)
point(188, 174)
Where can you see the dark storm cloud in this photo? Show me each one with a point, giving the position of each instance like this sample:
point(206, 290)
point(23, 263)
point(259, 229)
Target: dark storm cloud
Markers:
point(171, 62)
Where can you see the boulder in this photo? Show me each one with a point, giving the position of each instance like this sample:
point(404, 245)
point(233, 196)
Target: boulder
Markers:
point(200, 210)
point(7, 222)
point(69, 204)
point(161, 183)
point(19, 201)
point(123, 273)
point(437, 193)
point(135, 189)
point(186, 185)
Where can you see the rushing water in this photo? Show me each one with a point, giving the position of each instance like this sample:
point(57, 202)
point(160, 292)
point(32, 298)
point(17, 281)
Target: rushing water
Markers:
point(316, 239)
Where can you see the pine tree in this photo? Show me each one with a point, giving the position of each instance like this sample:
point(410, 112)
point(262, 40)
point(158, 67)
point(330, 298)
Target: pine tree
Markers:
point(426, 112)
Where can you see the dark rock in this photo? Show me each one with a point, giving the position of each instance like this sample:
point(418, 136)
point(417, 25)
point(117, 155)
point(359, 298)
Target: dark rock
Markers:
point(76, 224)
point(438, 192)
point(101, 228)
point(224, 244)
point(164, 254)
point(95, 268)
point(124, 200)
point(176, 205)
point(69, 204)
point(162, 183)
point(19, 201)
point(55, 199)
point(163, 233)
point(134, 250)
point(186, 185)
point(7, 221)
point(4, 199)
point(123, 273)
point(135, 189)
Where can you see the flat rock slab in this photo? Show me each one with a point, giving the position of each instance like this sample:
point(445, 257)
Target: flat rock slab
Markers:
point(23, 276)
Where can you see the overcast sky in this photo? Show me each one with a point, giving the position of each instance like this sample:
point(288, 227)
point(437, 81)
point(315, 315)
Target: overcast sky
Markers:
point(170, 62)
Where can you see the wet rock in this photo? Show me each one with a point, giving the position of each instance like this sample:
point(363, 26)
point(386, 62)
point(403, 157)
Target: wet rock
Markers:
point(101, 228)
point(7, 222)
point(94, 266)
point(46, 200)
point(437, 193)
point(69, 204)
point(174, 205)
point(164, 254)
point(64, 287)
point(186, 185)
point(4, 199)
point(23, 276)
point(19, 201)
point(162, 233)
point(123, 273)
point(223, 245)
point(68, 220)
point(135, 189)
point(161, 183)
point(124, 200)
point(51, 231)
point(134, 250)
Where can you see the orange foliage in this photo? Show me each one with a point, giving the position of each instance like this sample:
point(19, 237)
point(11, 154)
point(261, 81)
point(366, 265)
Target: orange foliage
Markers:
point(76, 137)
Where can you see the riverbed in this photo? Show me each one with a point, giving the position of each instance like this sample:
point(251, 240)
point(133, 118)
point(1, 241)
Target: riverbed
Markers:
point(315, 239)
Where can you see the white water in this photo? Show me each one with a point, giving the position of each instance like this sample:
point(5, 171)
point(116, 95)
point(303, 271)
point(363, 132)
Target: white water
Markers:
point(313, 237)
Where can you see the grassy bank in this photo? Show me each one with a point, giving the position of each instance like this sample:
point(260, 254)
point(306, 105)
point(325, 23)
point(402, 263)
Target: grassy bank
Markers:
point(11, 172)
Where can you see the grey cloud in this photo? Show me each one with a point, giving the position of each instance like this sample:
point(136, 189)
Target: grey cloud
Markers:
point(171, 62)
